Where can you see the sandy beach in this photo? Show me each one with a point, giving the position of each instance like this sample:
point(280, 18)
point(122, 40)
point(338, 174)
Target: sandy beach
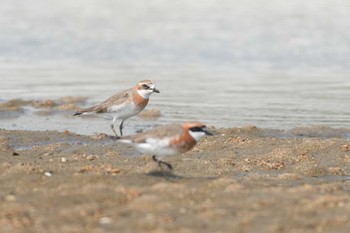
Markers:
point(240, 180)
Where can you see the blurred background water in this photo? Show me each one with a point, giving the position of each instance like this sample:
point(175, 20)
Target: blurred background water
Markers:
point(229, 63)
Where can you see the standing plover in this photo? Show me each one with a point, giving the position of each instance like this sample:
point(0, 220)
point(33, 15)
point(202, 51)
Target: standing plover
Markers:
point(167, 140)
point(124, 104)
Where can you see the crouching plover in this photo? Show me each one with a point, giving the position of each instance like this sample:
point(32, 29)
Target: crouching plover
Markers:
point(124, 104)
point(167, 140)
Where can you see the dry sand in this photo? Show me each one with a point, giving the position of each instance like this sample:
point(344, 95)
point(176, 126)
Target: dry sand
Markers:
point(241, 180)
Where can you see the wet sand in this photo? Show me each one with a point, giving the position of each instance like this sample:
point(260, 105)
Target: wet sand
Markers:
point(241, 180)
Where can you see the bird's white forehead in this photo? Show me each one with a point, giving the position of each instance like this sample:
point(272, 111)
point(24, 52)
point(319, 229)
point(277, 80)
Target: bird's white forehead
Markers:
point(148, 82)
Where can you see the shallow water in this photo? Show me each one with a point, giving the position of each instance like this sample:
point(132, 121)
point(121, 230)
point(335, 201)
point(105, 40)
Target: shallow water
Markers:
point(230, 101)
point(229, 63)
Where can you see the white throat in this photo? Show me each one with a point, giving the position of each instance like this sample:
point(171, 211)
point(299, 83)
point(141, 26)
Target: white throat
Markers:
point(196, 135)
point(145, 93)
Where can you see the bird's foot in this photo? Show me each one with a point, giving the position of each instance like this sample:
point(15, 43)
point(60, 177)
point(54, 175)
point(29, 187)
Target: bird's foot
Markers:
point(160, 162)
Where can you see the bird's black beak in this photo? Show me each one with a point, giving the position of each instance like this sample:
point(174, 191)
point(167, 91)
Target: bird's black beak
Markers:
point(208, 132)
point(156, 90)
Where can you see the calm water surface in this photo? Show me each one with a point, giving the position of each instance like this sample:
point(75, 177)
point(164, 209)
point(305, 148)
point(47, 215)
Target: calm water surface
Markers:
point(226, 100)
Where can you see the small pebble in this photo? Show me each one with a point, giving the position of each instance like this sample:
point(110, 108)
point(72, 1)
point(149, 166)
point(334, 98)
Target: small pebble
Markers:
point(48, 174)
point(63, 159)
point(10, 197)
point(15, 154)
point(345, 147)
point(90, 157)
point(105, 220)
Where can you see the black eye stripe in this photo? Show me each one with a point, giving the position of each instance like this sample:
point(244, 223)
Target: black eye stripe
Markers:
point(197, 129)
point(145, 86)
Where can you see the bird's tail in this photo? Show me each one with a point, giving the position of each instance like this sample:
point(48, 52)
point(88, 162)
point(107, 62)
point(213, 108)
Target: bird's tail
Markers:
point(85, 111)
point(77, 113)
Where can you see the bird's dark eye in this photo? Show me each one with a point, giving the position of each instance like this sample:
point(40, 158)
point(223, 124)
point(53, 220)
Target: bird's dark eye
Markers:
point(145, 86)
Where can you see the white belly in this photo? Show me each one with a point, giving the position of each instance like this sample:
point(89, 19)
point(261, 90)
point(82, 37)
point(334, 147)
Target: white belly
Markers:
point(124, 111)
point(160, 151)
point(156, 147)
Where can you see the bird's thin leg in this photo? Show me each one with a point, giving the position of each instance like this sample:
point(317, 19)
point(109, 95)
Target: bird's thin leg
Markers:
point(112, 127)
point(160, 162)
point(121, 126)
